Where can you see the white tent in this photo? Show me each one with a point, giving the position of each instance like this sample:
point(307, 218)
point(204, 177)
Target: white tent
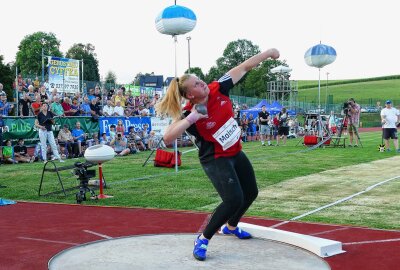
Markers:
point(281, 69)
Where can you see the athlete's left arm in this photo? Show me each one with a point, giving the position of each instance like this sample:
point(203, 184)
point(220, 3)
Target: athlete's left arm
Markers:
point(239, 71)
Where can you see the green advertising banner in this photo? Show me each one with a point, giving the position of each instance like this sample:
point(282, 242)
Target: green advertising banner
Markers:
point(24, 127)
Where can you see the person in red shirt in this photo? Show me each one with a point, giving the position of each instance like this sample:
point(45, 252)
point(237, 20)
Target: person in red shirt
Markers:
point(66, 104)
point(208, 116)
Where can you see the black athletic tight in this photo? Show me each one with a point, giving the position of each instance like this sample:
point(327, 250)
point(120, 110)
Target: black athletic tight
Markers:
point(235, 182)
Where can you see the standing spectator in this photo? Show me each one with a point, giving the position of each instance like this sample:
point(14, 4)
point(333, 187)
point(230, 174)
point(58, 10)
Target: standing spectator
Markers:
point(108, 110)
point(1, 90)
point(36, 84)
point(44, 97)
point(251, 129)
point(120, 127)
point(283, 129)
point(24, 105)
point(244, 124)
point(31, 93)
point(46, 85)
point(35, 106)
point(390, 117)
point(66, 140)
point(332, 123)
point(97, 93)
point(21, 152)
point(354, 121)
point(5, 107)
point(44, 123)
point(79, 136)
point(120, 144)
point(56, 107)
point(264, 125)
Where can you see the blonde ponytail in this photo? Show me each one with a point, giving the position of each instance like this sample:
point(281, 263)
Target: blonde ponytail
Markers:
point(171, 102)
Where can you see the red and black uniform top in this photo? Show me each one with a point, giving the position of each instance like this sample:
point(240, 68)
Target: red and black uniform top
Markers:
point(218, 135)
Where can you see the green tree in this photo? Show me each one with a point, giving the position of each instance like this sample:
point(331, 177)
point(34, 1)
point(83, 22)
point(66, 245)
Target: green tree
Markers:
point(235, 53)
point(29, 55)
point(6, 77)
point(90, 63)
point(197, 71)
point(213, 74)
point(111, 77)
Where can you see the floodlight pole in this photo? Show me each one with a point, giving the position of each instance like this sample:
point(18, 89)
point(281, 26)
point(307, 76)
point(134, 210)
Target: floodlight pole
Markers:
point(188, 39)
point(326, 92)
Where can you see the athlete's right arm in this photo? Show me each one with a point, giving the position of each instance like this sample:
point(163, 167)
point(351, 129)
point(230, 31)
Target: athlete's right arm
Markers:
point(178, 127)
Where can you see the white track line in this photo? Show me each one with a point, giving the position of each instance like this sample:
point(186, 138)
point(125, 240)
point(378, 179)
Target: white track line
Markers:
point(329, 231)
point(98, 234)
point(373, 241)
point(48, 241)
point(336, 202)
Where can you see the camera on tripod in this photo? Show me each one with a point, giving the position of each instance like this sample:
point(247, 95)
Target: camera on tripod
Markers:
point(346, 107)
point(84, 175)
point(82, 172)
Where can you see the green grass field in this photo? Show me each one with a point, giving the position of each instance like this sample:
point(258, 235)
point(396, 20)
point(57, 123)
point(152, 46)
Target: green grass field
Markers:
point(292, 180)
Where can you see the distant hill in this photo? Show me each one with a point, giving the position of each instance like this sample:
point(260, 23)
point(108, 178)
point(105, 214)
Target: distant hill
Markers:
point(365, 91)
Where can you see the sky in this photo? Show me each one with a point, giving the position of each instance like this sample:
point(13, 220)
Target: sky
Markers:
point(365, 34)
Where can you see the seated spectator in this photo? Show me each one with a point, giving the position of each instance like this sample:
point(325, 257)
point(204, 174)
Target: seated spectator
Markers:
point(118, 109)
point(21, 153)
point(121, 98)
point(144, 134)
point(93, 141)
point(95, 109)
point(97, 93)
point(91, 95)
point(53, 95)
point(108, 110)
point(120, 144)
point(155, 141)
point(85, 107)
point(134, 138)
point(24, 105)
point(36, 84)
point(8, 153)
point(5, 107)
point(56, 107)
point(31, 93)
point(75, 107)
point(1, 90)
point(79, 136)
point(66, 105)
point(112, 132)
point(66, 141)
point(105, 140)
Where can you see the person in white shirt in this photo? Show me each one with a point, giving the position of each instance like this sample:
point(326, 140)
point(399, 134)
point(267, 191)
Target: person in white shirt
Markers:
point(118, 110)
point(108, 110)
point(390, 117)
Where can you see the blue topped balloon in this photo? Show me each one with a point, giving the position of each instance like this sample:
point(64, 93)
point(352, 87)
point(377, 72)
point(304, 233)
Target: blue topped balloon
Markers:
point(320, 55)
point(175, 20)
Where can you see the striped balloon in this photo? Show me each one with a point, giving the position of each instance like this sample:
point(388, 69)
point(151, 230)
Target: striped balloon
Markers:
point(320, 55)
point(175, 20)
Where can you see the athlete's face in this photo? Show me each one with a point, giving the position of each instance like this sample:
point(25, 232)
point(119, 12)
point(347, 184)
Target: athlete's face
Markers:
point(197, 90)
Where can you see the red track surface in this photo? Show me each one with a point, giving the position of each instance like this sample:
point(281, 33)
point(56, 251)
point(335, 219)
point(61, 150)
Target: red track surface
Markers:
point(32, 233)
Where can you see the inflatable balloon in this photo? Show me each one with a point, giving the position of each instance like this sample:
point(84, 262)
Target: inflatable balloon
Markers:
point(320, 55)
point(175, 20)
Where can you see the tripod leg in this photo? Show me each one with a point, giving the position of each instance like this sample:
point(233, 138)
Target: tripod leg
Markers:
point(358, 136)
point(152, 151)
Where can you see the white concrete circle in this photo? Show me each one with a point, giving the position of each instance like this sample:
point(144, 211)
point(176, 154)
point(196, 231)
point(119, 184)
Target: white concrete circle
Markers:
point(174, 251)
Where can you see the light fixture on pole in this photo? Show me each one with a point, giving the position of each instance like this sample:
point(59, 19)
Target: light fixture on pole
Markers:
point(188, 39)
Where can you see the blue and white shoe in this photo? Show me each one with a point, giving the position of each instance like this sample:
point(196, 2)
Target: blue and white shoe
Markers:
point(238, 232)
point(200, 248)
